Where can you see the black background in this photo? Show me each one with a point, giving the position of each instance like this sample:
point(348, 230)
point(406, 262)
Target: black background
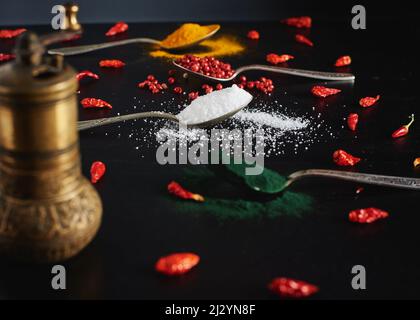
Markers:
point(239, 258)
point(39, 12)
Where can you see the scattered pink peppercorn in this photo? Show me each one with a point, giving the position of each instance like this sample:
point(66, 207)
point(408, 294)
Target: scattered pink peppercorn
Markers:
point(207, 88)
point(193, 95)
point(178, 90)
point(152, 84)
point(264, 85)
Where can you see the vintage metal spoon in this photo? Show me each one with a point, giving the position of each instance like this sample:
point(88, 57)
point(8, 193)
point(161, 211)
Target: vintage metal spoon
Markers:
point(89, 124)
point(294, 72)
point(69, 51)
point(374, 179)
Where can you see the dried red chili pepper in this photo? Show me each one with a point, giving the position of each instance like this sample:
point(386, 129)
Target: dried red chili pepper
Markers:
point(302, 39)
point(8, 34)
point(343, 158)
point(119, 27)
point(95, 103)
point(253, 35)
point(352, 121)
point(97, 170)
point(6, 57)
point(276, 59)
point(416, 162)
point(86, 73)
point(368, 101)
point(321, 91)
point(403, 130)
point(291, 288)
point(176, 189)
point(298, 22)
point(75, 37)
point(367, 215)
point(111, 63)
point(343, 61)
point(177, 263)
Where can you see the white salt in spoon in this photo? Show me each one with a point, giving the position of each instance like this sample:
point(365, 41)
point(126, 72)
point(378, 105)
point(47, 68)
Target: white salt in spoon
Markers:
point(204, 111)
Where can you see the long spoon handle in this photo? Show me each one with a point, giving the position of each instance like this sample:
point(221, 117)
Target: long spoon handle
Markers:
point(299, 72)
point(88, 124)
point(380, 180)
point(69, 51)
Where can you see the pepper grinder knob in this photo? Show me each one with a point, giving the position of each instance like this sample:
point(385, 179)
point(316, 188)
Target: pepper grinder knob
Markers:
point(71, 27)
point(71, 22)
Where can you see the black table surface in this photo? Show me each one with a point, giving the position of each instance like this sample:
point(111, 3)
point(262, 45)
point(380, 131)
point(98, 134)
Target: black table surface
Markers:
point(239, 257)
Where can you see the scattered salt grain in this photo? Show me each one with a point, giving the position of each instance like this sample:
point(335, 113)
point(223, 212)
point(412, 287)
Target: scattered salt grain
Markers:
point(273, 120)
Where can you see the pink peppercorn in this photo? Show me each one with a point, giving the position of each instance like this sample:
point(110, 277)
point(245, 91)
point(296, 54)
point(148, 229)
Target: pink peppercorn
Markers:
point(250, 84)
point(178, 90)
point(193, 95)
point(152, 84)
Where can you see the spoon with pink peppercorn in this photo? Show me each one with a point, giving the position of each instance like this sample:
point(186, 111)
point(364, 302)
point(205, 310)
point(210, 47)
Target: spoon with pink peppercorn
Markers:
point(216, 70)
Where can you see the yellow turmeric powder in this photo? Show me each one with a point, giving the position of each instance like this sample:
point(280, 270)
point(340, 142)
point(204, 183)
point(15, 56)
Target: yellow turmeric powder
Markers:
point(215, 47)
point(187, 34)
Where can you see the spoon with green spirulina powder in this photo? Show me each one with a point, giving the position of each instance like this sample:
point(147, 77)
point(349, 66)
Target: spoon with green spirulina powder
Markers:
point(272, 183)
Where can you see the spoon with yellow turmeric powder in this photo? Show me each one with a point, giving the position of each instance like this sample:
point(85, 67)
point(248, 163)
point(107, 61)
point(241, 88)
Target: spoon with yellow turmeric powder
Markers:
point(188, 35)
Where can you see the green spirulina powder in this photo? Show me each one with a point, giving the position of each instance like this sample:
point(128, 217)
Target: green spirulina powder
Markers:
point(268, 181)
point(240, 205)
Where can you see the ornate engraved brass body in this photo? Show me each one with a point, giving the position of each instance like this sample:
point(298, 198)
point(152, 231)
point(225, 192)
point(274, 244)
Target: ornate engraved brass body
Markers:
point(48, 210)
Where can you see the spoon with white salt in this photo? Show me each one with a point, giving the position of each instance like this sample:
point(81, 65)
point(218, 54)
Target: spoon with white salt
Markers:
point(204, 111)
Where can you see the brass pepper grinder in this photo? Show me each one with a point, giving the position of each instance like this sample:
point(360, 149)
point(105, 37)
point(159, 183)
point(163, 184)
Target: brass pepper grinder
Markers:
point(48, 210)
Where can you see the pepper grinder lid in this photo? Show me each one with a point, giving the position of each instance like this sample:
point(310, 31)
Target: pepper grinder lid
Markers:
point(34, 77)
